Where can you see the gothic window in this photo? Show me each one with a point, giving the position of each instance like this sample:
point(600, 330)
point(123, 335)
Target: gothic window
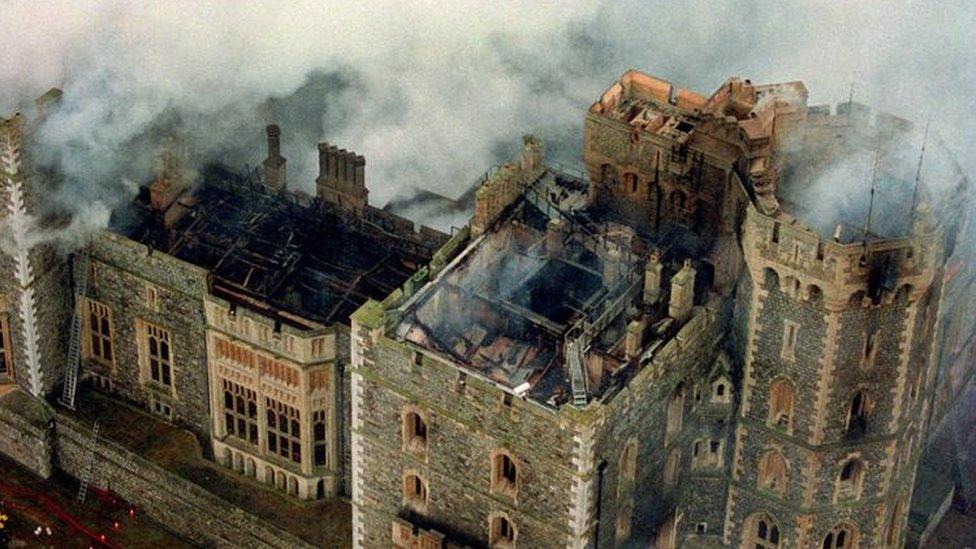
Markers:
point(318, 437)
point(414, 489)
point(630, 182)
point(414, 433)
point(625, 516)
point(781, 399)
point(870, 348)
point(99, 333)
point(151, 297)
point(678, 203)
point(720, 391)
point(849, 480)
point(857, 413)
point(157, 353)
point(628, 460)
point(502, 532)
point(6, 361)
point(504, 473)
point(608, 175)
point(772, 472)
point(841, 537)
point(790, 332)
point(762, 533)
point(893, 530)
point(676, 409)
point(240, 412)
point(284, 430)
point(671, 468)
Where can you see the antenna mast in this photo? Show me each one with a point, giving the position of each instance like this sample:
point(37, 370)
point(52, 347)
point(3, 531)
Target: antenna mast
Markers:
point(918, 171)
point(867, 220)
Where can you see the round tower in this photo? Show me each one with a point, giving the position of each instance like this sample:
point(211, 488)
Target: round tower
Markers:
point(836, 339)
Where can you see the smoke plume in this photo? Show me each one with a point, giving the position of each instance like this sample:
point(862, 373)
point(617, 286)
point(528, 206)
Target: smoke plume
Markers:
point(432, 93)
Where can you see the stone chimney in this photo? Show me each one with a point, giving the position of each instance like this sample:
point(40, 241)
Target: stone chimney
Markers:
point(612, 264)
point(48, 102)
point(531, 161)
point(275, 177)
point(170, 180)
point(682, 293)
point(342, 179)
point(555, 236)
point(633, 339)
point(652, 278)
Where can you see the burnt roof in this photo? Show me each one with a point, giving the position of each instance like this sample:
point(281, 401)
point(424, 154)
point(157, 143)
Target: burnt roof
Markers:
point(279, 253)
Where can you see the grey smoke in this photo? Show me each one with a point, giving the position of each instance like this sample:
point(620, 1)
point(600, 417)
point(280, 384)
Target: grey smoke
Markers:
point(433, 93)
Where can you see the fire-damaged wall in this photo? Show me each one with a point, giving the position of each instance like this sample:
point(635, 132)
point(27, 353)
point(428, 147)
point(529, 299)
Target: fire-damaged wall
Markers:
point(583, 474)
point(468, 422)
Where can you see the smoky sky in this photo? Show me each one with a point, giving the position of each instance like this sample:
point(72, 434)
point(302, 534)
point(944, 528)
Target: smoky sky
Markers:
point(433, 93)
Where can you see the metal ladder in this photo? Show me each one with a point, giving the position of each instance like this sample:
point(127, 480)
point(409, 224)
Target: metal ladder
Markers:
point(577, 377)
point(74, 343)
point(86, 475)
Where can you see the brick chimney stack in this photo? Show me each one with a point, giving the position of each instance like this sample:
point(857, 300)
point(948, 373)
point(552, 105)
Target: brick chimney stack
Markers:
point(275, 176)
point(342, 179)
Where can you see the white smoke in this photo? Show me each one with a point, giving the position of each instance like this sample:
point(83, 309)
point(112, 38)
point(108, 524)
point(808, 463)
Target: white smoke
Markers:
point(432, 93)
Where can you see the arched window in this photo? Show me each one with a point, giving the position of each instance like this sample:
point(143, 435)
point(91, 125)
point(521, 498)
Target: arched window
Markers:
point(849, 480)
point(625, 516)
point(857, 414)
point(676, 410)
point(678, 202)
point(503, 532)
point(893, 530)
point(504, 473)
point(841, 537)
point(781, 399)
point(414, 432)
point(608, 175)
point(671, 468)
point(720, 391)
point(628, 460)
point(414, 489)
point(630, 182)
point(762, 533)
point(773, 472)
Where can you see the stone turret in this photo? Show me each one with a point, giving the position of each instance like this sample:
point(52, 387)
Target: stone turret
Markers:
point(342, 179)
point(275, 176)
point(33, 279)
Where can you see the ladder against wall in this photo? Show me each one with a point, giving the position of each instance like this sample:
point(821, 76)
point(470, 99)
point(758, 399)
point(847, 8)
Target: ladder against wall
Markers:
point(89, 466)
point(70, 377)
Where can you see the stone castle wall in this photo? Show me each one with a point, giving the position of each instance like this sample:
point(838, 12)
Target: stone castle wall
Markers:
point(123, 269)
point(185, 508)
point(464, 427)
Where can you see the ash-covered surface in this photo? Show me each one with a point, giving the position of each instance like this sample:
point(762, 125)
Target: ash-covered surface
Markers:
point(282, 250)
point(551, 270)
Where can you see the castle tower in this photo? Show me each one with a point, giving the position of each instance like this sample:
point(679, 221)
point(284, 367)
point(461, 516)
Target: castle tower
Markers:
point(835, 352)
point(34, 288)
point(342, 179)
